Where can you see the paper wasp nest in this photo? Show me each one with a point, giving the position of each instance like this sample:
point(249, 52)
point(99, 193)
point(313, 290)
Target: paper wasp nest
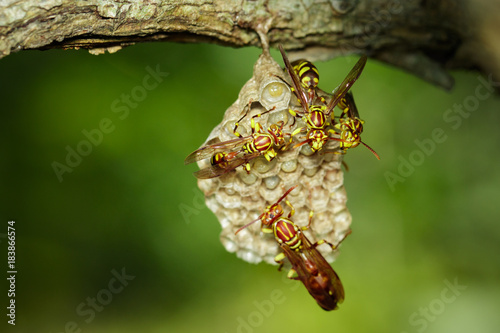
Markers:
point(237, 198)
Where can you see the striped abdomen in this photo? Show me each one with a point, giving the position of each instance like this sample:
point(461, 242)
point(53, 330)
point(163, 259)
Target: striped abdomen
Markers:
point(308, 73)
point(260, 143)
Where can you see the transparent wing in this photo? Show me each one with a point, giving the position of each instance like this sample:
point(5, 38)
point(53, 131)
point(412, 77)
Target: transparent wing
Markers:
point(344, 87)
point(332, 291)
point(353, 110)
point(295, 80)
point(316, 274)
point(210, 150)
point(325, 290)
point(217, 170)
point(297, 262)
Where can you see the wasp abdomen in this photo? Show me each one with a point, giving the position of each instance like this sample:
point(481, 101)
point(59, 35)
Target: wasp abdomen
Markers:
point(307, 73)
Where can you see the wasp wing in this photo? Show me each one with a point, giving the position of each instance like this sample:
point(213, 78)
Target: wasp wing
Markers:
point(307, 273)
point(301, 95)
point(210, 150)
point(327, 280)
point(352, 111)
point(217, 170)
point(316, 274)
point(344, 87)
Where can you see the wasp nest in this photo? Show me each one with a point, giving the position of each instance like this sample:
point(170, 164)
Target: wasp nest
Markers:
point(238, 197)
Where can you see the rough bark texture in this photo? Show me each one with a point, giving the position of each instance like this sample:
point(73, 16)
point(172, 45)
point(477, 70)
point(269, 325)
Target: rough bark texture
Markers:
point(424, 37)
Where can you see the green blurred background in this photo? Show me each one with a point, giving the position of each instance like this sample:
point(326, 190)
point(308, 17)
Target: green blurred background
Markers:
point(120, 207)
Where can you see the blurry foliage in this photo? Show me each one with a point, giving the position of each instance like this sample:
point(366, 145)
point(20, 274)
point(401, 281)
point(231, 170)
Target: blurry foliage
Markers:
point(121, 206)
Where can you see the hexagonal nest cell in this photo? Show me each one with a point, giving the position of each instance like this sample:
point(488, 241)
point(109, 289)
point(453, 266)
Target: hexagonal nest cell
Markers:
point(238, 197)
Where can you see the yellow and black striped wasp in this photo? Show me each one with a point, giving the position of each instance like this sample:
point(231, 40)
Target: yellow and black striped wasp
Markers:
point(308, 76)
point(308, 265)
point(350, 125)
point(228, 155)
point(315, 116)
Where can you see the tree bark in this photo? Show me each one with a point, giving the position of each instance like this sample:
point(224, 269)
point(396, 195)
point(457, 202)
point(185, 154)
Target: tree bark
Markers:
point(426, 38)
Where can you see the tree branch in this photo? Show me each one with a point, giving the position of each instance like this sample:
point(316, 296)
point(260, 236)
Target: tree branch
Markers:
point(422, 37)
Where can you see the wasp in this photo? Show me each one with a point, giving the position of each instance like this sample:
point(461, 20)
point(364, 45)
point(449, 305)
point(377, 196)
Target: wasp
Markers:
point(350, 125)
point(308, 76)
point(308, 265)
point(228, 155)
point(315, 116)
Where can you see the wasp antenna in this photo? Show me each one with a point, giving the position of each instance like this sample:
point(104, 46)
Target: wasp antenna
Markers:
point(249, 224)
point(346, 167)
point(286, 193)
point(337, 139)
point(301, 144)
point(373, 151)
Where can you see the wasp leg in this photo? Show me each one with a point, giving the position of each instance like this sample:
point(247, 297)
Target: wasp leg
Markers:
point(293, 123)
point(270, 154)
point(346, 167)
point(280, 259)
point(345, 236)
point(292, 210)
point(247, 167)
point(311, 213)
point(324, 241)
point(238, 122)
point(285, 147)
point(267, 231)
point(296, 113)
point(292, 274)
point(262, 113)
point(298, 130)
